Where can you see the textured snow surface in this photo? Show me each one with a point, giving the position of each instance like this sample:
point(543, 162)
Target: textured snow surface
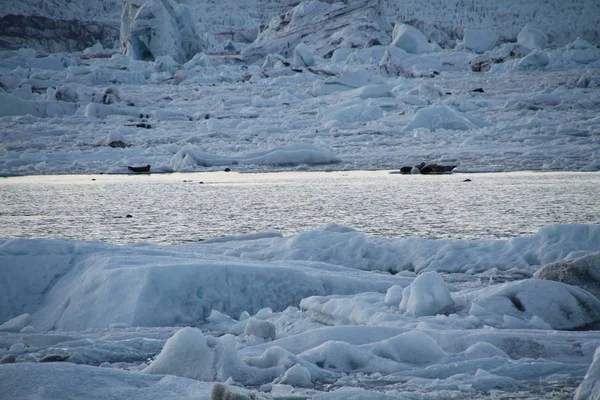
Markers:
point(328, 313)
point(378, 108)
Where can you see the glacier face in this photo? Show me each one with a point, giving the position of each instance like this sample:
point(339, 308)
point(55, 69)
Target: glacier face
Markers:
point(442, 22)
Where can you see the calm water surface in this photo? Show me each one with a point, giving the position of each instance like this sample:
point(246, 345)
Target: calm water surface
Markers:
point(177, 208)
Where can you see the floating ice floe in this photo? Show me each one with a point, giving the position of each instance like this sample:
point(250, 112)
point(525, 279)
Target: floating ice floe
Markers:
point(301, 153)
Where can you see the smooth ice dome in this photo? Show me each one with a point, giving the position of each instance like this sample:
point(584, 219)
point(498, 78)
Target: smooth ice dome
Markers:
point(393, 296)
point(411, 347)
point(186, 354)
point(532, 38)
point(427, 295)
point(297, 375)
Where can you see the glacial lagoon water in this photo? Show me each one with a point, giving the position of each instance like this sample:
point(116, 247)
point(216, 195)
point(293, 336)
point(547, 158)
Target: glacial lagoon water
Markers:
point(178, 208)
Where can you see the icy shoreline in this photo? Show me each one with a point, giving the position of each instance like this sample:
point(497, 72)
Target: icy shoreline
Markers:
point(274, 316)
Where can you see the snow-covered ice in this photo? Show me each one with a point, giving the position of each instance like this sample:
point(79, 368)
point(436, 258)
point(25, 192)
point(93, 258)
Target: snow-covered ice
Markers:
point(365, 104)
point(274, 312)
point(326, 313)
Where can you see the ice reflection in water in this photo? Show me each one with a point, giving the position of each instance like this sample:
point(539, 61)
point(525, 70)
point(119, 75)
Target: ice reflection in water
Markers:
point(165, 209)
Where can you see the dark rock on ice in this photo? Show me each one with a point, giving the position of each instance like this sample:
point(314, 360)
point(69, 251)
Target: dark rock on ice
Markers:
point(426, 169)
point(435, 168)
point(54, 358)
point(140, 169)
point(118, 144)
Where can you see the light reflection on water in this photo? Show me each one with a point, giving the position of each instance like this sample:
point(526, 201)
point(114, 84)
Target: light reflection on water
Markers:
point(165, 209)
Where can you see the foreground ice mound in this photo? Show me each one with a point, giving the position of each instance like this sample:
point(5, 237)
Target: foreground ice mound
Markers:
point(303, 56)
point(78, 285)
point(525, 304)
point(153, 28)
point(190, 157)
